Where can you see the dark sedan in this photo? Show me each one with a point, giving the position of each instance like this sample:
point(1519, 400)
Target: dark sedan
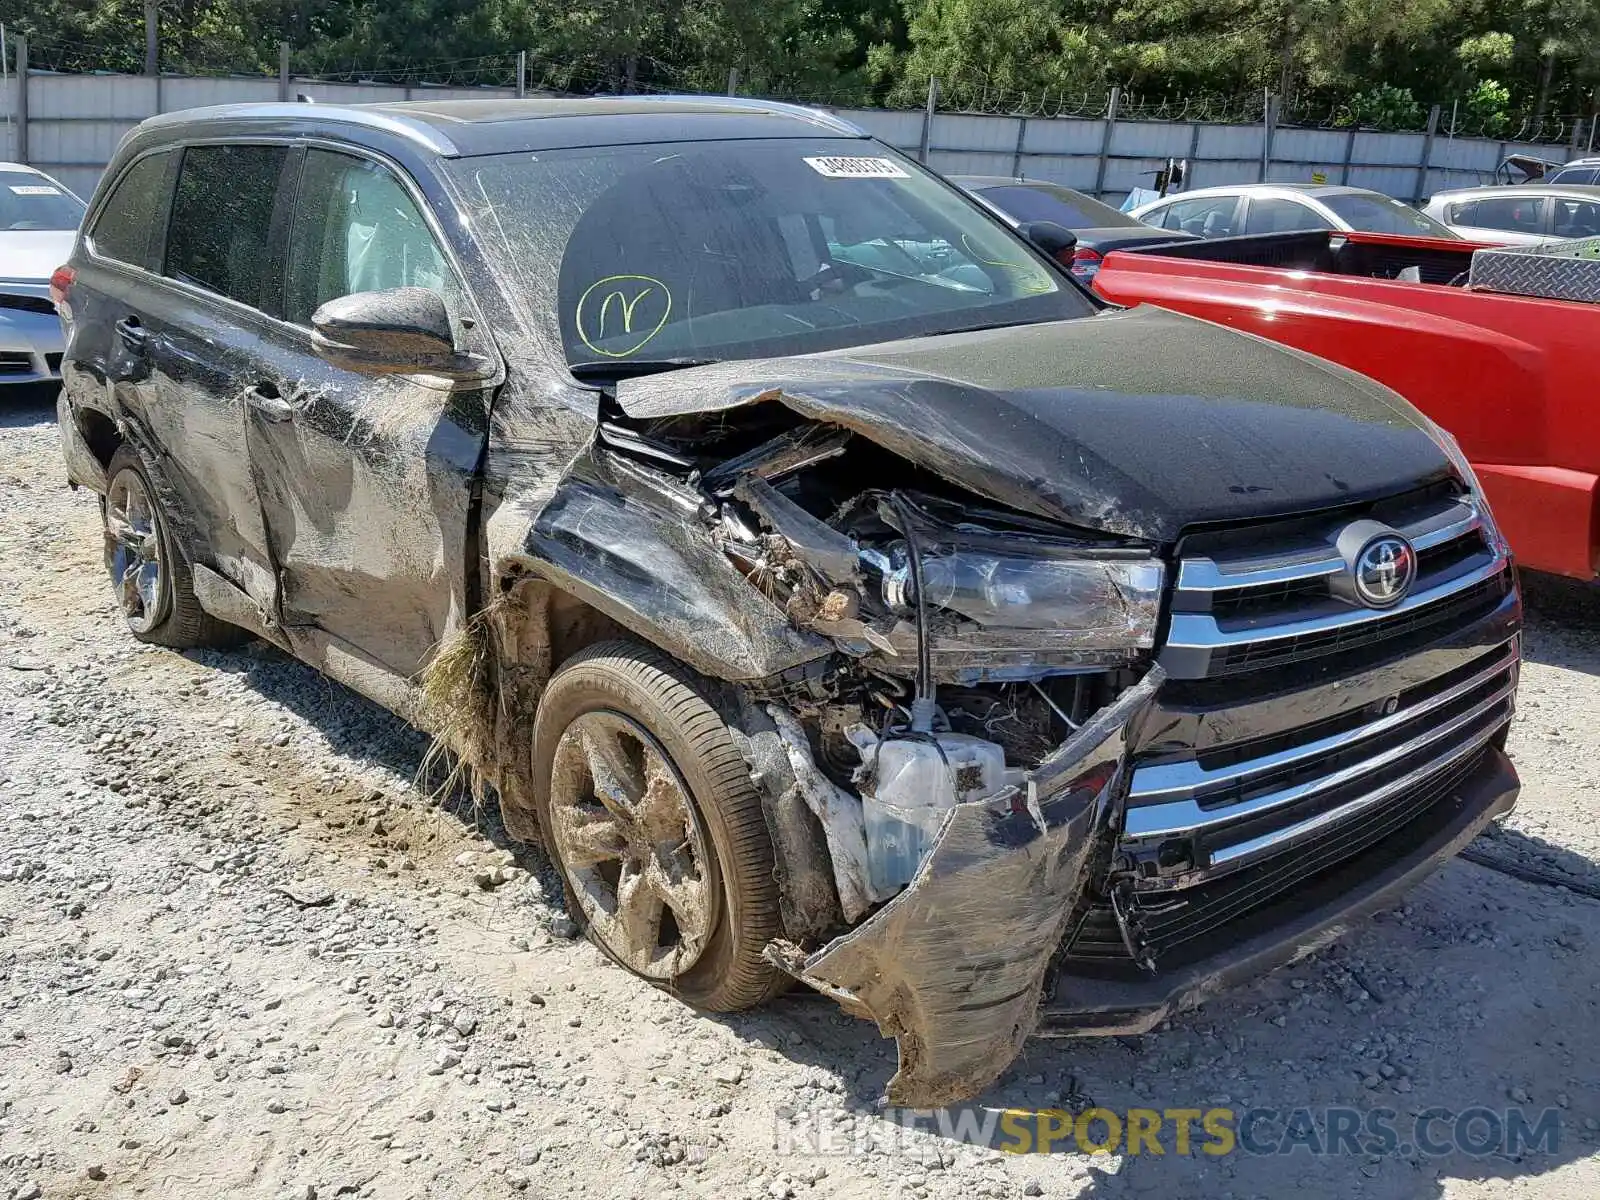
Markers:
point(1100, 228)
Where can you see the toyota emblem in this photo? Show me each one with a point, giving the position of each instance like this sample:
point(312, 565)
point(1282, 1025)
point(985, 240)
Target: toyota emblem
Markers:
point(1384, 571)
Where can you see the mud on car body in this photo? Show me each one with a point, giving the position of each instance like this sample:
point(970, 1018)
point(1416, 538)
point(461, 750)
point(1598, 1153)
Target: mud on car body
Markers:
point(836, 590)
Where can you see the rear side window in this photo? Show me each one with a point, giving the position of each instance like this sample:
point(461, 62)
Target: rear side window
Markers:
point(1576, 218)
point(1271, 215)
point(1575, 175)
point(1058, 205)
point(219, 236)
point(128, 225)
point(356, 229)
point(1519, 214)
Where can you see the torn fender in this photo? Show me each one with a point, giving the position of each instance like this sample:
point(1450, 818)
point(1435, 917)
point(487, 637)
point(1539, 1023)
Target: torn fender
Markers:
point(954, 966)
point(628, 542)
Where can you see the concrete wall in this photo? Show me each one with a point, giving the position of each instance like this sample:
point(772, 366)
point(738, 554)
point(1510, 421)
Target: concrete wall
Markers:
point(1076, 152)
point(75, 121)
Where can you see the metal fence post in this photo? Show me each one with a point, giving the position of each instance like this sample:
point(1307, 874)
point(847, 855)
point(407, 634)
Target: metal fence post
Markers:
point(1427, 155)
point(733, 81)
point(522, 74)
point(1349, 153)
point(1269, 126)
point(927, 120)
point(22, 100)
point(283, 72)
point(1016, 157)
point(152, 38)
point(1105, 141)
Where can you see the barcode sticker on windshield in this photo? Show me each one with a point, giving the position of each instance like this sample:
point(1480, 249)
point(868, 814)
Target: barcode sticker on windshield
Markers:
point(35, 189)
point(858, 168)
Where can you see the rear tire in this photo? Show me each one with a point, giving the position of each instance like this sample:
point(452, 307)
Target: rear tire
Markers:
point(150, 576)
point(649, 813)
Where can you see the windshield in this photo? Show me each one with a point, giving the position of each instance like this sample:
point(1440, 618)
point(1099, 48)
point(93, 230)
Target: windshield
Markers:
point(744, 249)
point(1380, 214)
point(1041, 202)
point(33, 201)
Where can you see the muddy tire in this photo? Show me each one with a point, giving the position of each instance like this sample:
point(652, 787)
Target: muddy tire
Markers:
point(648, 811)
point(150, 576)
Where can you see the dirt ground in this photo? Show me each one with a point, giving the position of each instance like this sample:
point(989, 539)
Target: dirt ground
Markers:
point(242, 955)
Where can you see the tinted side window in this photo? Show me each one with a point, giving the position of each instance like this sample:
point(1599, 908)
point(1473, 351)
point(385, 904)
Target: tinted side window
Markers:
point(1521, 214)
point(1576, 218)
point(221, 220)
point(356, 229)
point(128, 225)
point(1575, 175)
point(1269, 215)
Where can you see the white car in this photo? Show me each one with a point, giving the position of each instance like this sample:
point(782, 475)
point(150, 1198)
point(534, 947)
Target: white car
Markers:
point(39, 219)
point(1520, 216)
point(1248, 208)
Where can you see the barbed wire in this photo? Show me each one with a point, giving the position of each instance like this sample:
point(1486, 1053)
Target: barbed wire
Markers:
point(968, 93)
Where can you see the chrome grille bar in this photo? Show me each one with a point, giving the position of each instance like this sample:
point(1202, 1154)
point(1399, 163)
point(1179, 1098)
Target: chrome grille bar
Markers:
point(1167, 778)
point(1207, 575)
point(1241, 853)
point(1186, 816)
point(1201, 631)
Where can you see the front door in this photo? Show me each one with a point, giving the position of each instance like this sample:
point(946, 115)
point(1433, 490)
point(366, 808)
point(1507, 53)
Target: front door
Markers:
point(206, 340)
point(366, 481)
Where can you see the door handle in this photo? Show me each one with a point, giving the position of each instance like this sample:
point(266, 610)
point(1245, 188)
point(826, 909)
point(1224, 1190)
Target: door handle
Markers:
point(265, 398)
point(134, 335)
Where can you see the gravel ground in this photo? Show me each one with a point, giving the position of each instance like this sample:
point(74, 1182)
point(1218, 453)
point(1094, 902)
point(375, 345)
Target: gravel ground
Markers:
point(241, 954)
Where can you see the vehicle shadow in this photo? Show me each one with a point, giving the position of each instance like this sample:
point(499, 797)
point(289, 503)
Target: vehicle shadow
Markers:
point(1563, 622)
point(27, 404)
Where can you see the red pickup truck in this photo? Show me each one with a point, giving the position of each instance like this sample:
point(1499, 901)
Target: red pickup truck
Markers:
point(1515, 378)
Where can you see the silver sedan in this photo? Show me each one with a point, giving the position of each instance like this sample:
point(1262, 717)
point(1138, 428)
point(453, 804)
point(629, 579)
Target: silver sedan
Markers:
point(39, 218)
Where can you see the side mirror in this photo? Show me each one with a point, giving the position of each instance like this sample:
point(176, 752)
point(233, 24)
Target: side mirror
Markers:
point(399, 331)
point(1050, 239)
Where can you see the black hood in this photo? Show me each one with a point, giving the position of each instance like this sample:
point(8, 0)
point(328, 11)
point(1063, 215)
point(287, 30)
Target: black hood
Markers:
point(1138, 422)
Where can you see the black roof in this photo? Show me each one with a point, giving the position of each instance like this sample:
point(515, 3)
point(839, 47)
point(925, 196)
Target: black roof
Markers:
point(461, 128)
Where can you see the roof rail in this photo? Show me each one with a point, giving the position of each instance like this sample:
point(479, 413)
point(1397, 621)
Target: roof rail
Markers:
point(818, 116)
point(417, 131)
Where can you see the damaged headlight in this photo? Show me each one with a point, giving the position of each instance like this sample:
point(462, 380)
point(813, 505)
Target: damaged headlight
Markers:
point(1111, 602)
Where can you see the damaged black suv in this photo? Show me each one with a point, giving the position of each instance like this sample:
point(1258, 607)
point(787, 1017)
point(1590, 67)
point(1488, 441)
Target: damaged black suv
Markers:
point(835, 589)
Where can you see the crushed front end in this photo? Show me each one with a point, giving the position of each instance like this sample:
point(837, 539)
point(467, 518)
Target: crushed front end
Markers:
point(1068, 777)
point(1289, 762)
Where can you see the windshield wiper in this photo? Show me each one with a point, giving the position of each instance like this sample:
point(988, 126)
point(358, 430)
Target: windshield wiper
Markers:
point(972, 328)
point(625, 368)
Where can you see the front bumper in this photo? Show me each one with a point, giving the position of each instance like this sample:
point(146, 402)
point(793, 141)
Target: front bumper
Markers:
point(1320, 915)
point(957, 967)
point(31, 345)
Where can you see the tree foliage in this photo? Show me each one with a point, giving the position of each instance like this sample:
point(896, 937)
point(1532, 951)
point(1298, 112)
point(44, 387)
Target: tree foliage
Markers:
point(1374, 60)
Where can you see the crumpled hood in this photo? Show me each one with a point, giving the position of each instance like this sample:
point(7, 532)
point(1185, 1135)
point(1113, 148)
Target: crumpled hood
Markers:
point(1139, 422)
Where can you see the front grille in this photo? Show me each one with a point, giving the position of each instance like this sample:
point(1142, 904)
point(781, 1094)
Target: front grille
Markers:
point(37, 304)
point(1184, 926)
point(1231, 807)
point(16, 362)
point(1278, 606)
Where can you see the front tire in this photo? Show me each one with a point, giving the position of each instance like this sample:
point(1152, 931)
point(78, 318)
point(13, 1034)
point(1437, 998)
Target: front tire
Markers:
point(649, 813)
point(150, 577)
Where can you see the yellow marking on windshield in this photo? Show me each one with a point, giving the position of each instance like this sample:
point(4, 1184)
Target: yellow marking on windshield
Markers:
point(1033, 279)
point(621, 296)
